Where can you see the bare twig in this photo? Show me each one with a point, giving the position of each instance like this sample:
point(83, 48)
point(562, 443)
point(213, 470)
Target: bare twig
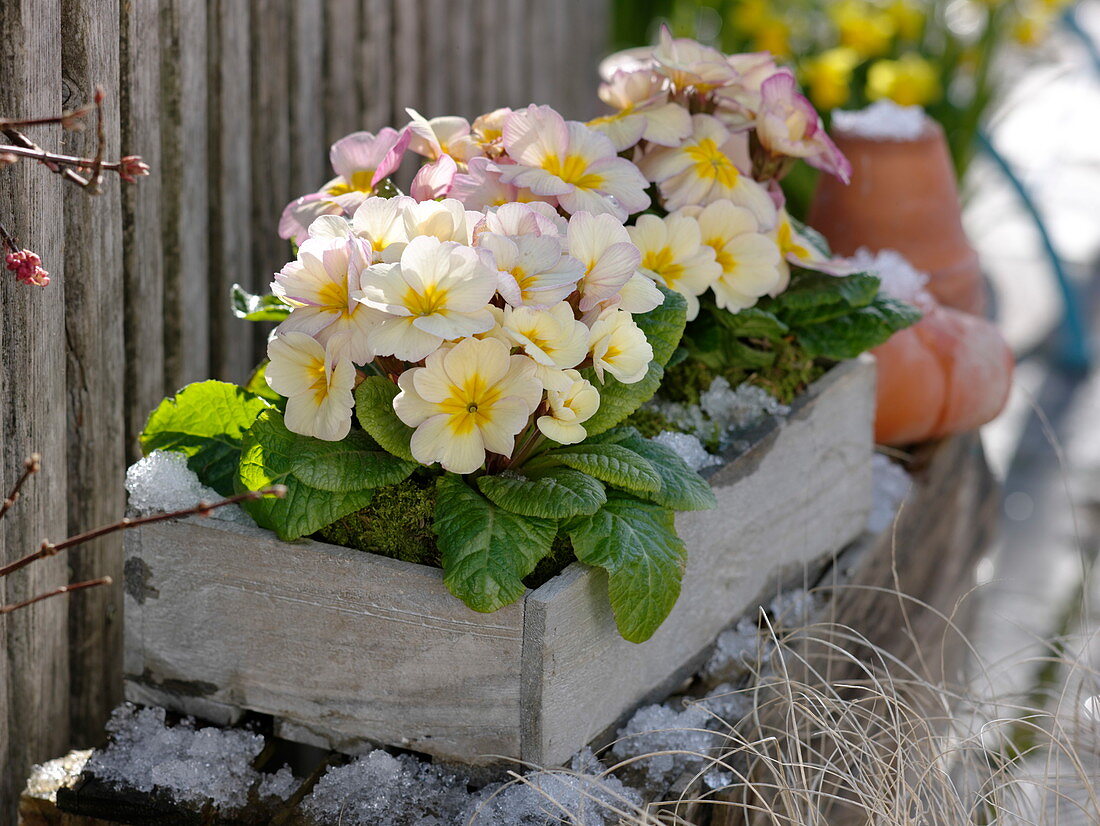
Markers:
point(31, 465)
point(68, 120)
point(56, 592)
point(201, 509)
point(21, 145)
point(7, 239)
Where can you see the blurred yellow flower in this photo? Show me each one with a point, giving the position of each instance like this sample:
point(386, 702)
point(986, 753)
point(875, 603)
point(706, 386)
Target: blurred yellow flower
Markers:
point(768, 31)
point(863, 27)
point(1034, 22)
point(910, 81)
point(828, 76)
point(908, 18)
point(773, 36)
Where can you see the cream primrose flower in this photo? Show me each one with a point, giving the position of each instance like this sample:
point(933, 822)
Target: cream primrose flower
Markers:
point(467, 400)
point(553, 338)
point(535, 218)
point(319, 286)
point(531, 269)
point(445, 220)
point(317, 386)
point(643, 111)
point(360, 161)
point(603, 246)
point(570, 407)
point(437, 292)
point(673, 254)
point(487, 131)
point(739, 101)
point(748, 256)
point(571, 161)
point(800, 251)
point(379, 222)
point(619, 347)
point(711, 165)
point(480, 187)
point(688, 64)
point(442, 136)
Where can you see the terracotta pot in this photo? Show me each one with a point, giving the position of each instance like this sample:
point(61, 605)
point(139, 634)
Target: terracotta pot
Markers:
point(903, 196)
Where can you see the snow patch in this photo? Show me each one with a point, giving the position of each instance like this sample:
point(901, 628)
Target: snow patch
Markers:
point(161, 482)
point(883, 120)
point(722, 412)
point(688, 448)
point(900, 279)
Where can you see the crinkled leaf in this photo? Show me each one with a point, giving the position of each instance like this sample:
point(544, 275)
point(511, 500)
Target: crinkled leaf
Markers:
point(556, 493)
point(636, 543)
point(252, 307)
point(752, 323)
point(857, 331)
point(374, 409)
point(681, 488)
point(324, 480)
point(664, 326)
point(815, 297)
point(205, 421)
point(718, 348)
point(487, 551)
point(616, 464)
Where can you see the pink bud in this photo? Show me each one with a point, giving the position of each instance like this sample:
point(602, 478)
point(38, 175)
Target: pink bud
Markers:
point(27, 268)
point(131, 168)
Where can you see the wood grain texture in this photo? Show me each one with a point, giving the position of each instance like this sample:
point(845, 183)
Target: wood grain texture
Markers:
point(34, 667)
point(308, 155)
point(230, 195)
point(342, 94)
point(800, 491)
point(339, 642)
point(95, 355)
point(142, 243)
point(376, 65)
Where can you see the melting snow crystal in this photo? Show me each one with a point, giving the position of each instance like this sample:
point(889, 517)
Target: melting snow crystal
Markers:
point(883, 120)
point(688, 448)
point(900, 279)
point(162, 482)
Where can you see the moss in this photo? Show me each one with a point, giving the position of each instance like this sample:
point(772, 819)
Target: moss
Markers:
point(790, 375)
point(686, 381)
point(560, 556)
point(648, 421)
point(397, 523)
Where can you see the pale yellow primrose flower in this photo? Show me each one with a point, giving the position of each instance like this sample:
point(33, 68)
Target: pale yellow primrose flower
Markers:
point(643, 111)
point(711, 165)
point(619, 347)
point(748, 256)
point(437, 292)
point(673, 254)
point(317, 386)
point(531, 269)
point(570, 407)
point(609, 257)
point(319, 286)
point(467, 400)
point(553, 338)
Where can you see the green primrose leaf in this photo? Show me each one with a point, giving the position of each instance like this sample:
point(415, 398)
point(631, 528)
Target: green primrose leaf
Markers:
point(615, 464)
point(374, 409)
point(257, 383)
point(205, 421)
point(636, 543)
point(556, 493)
point(682, 489)
point(857, 331)
point(487, 551)
point(815, 297)
point(252, 307)
point(324, 480)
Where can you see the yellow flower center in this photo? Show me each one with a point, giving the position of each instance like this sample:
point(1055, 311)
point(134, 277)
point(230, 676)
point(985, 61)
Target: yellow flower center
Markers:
point(429, 302)
point(320, 378)
point(333, 296)
point(723, 256)
point(661, 262)
point(787, 244)
point(712, 164)
point(360, 182)
point(573, 169)
point(470, 406)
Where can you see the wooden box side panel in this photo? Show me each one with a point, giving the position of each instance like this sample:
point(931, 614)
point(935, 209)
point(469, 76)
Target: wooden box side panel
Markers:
point(329, 639)
point(800, 491)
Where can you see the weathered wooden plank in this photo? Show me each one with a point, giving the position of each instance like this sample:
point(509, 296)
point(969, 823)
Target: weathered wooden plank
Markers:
point(512, 68)
point(185, 203)
point(35, 662)
point(308, 159)
point(95, 353)
point(487, 74)
point(230, 85)
point(438, 60)
point(800, 491)
point(343, 34)
point(540, 55)
point(270, 139)
point(462, 91)
point(377, 65)
point(344, 644)
point(142, 242)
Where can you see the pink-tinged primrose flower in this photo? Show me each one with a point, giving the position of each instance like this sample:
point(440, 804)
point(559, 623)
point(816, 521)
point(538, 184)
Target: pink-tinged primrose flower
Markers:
point(570, 408)
point(739, 102)
point(688, 64)
point(674, 255)
point(535, 218)
point(748, 256)
point(609, 257)
point(712, 165)
point(434, 180)
point(572, 162)
point(319, 287)
point(467, 400)
point(378, 222)
point(643, 112)
point(787, 124)
point(619, 347)
point(480, 187)
point(439, 291)
point(531, 269)
point(317, 385)
point(437, 137)
point(27, 267)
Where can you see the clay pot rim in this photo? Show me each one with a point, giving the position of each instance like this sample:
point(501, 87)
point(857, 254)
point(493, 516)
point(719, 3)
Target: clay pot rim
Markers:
point(931, 132)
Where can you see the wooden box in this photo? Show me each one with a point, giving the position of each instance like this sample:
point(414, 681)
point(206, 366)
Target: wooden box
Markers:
point(347, 649)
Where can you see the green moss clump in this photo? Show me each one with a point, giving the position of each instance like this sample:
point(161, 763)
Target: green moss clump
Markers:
point(648, 422)
point(686, 381)
point(791, 373)
point(560, 556)
point(397, 523)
